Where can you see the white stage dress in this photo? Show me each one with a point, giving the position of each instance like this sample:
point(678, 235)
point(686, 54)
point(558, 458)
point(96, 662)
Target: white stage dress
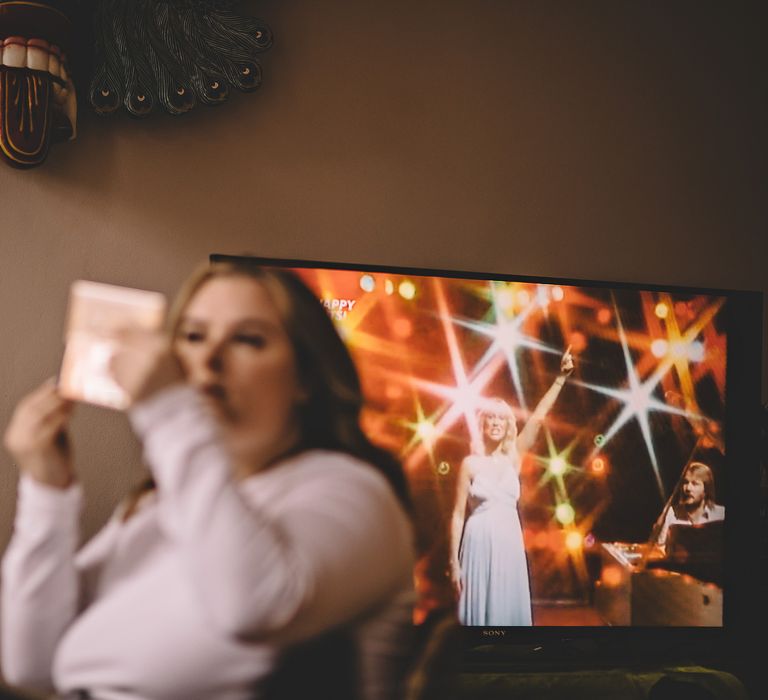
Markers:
point(496, 589)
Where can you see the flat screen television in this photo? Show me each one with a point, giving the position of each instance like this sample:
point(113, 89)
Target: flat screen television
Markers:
point(664, 377)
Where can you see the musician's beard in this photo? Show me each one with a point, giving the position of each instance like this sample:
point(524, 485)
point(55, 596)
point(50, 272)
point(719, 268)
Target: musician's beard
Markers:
point(690, 502)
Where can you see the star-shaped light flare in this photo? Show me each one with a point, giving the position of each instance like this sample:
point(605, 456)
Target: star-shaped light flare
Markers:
point(424, 431)
point(638, 402)
point(556, 465)
point(465, 395)
point(507, 337)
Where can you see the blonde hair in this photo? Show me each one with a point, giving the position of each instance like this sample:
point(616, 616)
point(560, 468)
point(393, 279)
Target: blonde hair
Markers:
point(496, 405)
point(330, 418)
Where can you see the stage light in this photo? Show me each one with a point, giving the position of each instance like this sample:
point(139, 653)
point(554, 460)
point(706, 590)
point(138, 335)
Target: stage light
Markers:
point(598, 466)
point(523, 297)
point(574, 541)
point(659, 347)
point(678, 350)
point(696, 351)
point(578, 342)
point(599, 440)
point(426, 430)
point(389, 287)
point(443, 469)
point(661, 310)
point(604, 316)
point(565, 513)
point(505, 299)
point(557, 466)
point(407, 289)
point(367, 283)
point(542, 295)
point(558, 294)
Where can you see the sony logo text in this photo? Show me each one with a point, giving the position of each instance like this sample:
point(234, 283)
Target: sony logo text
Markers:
point(494, 633)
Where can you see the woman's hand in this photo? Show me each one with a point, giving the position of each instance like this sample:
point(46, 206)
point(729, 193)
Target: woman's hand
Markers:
point(566, 362)
point(143, 364)
point(37, 439)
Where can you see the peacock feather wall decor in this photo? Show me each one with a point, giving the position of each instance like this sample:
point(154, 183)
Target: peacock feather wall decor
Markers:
point(138, 56)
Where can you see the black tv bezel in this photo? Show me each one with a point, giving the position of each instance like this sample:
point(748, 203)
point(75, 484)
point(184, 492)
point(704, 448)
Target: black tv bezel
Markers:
point(744, 323)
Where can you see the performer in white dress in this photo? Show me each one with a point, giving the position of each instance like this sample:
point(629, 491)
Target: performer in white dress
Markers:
point(488, 562)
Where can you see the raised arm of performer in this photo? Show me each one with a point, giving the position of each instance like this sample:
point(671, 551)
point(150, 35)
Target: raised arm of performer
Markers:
point(529, 432)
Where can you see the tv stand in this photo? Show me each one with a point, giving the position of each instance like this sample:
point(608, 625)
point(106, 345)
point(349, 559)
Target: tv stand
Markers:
point(606, 652)
point(600, 669)
point(608, 683)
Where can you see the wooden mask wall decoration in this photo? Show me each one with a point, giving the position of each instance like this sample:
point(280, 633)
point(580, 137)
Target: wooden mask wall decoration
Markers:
point(37, 96)
point(144, 57)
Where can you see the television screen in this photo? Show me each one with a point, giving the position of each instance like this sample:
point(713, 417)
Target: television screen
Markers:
point(570, 445)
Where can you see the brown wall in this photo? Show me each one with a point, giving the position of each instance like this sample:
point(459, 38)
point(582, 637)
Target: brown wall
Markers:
point(608, 140)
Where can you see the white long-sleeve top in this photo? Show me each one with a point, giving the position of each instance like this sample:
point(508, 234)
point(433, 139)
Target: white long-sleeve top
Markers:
point(197, 592)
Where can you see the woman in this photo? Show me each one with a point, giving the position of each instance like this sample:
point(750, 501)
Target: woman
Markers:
point(488, 563)
point(269, 519)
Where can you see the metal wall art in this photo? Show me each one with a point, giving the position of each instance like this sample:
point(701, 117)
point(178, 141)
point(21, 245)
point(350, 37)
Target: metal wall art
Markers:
point(146, 56)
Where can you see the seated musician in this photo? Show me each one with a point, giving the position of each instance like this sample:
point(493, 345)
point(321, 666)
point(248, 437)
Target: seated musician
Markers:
point(695, 502)
point(690, 532)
